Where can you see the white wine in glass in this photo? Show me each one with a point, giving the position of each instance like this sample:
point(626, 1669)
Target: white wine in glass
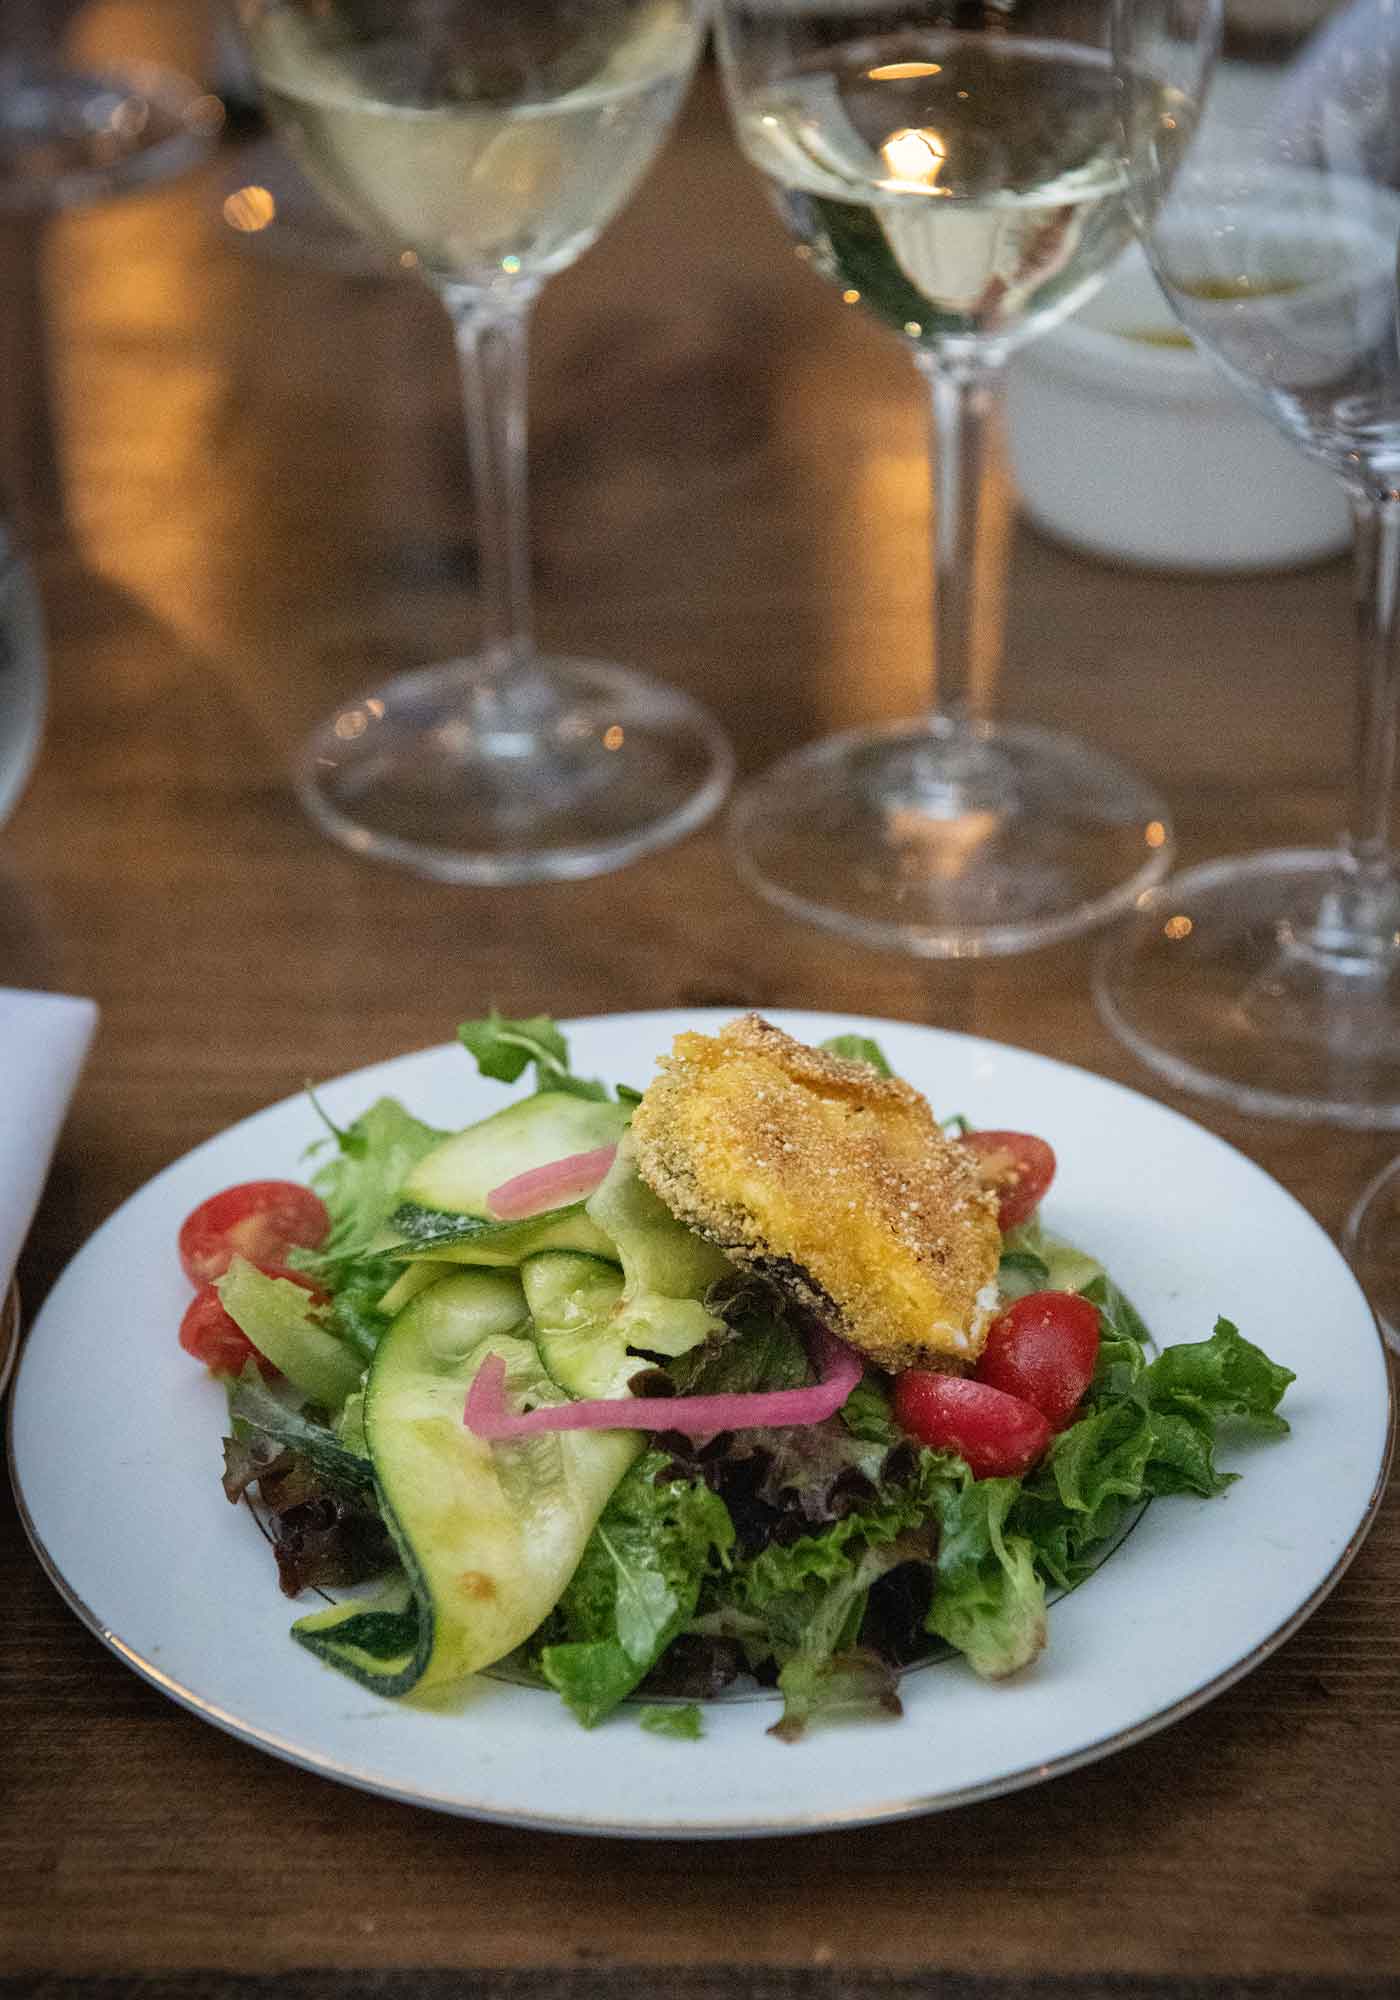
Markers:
point(488, 146)
point(1271, 981)
point(959, 173)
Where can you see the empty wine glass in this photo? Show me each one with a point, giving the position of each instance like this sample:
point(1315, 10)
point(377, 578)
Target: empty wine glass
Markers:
point(488, 146)
point(1372, 1241)
point(1272, 981)
point(957, 173)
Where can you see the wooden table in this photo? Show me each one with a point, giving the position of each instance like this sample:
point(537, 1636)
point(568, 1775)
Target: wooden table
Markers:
point(264, 507)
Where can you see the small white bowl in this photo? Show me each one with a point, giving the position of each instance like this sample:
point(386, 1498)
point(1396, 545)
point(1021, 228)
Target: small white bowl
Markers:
point(1140, 452)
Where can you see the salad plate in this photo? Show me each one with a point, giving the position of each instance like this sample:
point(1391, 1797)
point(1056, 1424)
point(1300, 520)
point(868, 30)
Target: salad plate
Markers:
point(180, 1585)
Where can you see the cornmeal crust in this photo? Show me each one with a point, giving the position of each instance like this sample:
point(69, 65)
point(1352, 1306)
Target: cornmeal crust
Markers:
point(831, 1180)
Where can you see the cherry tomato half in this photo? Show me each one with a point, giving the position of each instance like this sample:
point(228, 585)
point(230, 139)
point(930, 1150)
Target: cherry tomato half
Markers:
point(1043, 1348)
point(1017, 1167)
point(259, 1220)
point(214, 1337)
point(998, 1435)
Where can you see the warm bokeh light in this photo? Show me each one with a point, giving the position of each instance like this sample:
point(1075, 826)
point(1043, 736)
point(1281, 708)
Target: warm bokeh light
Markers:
point(249, 209)
point(613, 738)
point(915, 158)
point(1177, 927)
point(903, 72)
point(1156, 833)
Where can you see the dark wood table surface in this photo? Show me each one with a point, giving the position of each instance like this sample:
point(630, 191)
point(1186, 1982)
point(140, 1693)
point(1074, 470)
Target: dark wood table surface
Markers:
point(258, 503)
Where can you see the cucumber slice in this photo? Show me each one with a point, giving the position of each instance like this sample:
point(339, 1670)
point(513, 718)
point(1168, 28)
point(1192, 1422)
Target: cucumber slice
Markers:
point(489, 1534)
point(587, 1327)
point(456, 1177)
point(574, 1303)
point(413, 1279)
point(467, 1239)
point(659, 1254)
point(279, 1318)
point(1067, 1268)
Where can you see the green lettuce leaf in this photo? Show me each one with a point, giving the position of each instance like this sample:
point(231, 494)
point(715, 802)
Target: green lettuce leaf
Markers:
point(682, 1722)
point(635, 1588)
point(801, 1603)
point(988, 1598)
point(360, 1183)
point(504, 1049)
point(1224, 1379)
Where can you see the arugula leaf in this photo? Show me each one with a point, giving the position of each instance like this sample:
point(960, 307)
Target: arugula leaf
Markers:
point(353, 1313)
point(635, 1588)
point(360, 1183)
point(683, 1723)
point(861, 1049)
point(504, 1050)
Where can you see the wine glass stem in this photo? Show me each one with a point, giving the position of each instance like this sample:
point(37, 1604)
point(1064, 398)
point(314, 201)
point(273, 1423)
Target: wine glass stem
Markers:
point(968, 540)
point(492, 337)
point(1377, 521)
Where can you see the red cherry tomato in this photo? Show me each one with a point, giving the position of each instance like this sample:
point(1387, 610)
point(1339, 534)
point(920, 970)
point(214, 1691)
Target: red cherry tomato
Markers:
point(998, 1435)
point(214, 1337)
point(1017, 1167)
point(259, 1220)
point(1043, 1348)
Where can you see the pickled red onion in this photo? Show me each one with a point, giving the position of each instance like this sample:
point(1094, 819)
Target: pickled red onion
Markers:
point(549, 1187)
point(487, 1416)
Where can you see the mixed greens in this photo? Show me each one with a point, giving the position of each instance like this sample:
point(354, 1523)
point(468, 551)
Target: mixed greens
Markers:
point(819, 1558)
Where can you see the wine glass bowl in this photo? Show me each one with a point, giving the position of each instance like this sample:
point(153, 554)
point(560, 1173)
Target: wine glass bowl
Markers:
point(960, 177)
point(1272, 982)
point(486, 148)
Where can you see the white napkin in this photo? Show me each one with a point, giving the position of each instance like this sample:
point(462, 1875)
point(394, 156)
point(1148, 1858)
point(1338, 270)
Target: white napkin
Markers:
point(43, 1040)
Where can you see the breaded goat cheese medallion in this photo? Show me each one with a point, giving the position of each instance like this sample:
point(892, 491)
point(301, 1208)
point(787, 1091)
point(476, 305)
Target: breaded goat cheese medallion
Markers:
point(832, 1181)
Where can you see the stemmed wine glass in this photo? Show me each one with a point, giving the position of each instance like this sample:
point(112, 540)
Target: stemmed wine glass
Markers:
point(488, 146)
point(1272, 982)
point(956, 171)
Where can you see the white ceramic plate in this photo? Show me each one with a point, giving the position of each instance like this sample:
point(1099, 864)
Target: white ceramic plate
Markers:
point(115, 1456)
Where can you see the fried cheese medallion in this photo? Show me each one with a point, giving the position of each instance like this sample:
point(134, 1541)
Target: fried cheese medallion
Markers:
point(832, 1181)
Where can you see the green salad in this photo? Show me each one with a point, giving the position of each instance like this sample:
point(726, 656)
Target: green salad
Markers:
point(501, 1409)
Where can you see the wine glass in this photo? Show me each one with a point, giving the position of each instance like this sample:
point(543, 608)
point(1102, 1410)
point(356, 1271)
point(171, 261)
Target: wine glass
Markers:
point(957, 172)
point(1372, 1242)
point(1271, 982)
point(488, 146)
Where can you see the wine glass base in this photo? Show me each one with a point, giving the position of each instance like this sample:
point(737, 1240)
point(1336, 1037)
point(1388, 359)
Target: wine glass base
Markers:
point(1228, 983)
point(591, 767)
point(951, 841)
point(71, 136)
point(1372, 1242)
